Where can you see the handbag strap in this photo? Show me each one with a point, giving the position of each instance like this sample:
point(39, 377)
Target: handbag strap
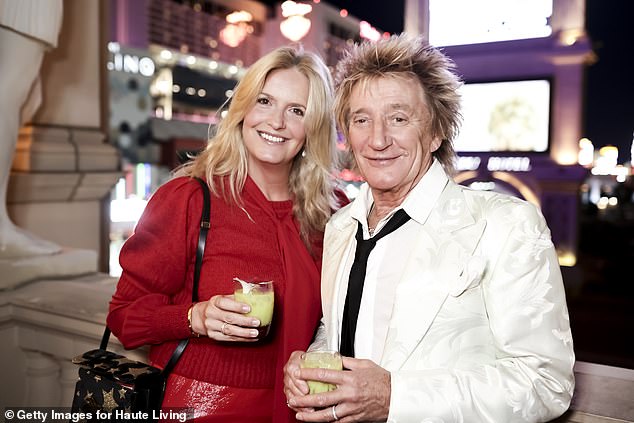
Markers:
point(205, 224)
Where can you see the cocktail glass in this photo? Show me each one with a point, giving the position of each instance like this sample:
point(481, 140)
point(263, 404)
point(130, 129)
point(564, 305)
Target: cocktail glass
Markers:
point(260, 297)
point(321, 360)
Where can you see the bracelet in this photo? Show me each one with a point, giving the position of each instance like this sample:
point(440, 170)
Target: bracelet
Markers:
point(189, 322)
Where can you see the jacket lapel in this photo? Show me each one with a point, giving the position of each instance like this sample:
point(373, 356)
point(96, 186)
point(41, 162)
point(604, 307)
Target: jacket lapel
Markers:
point(338, 246)
point(447, 241)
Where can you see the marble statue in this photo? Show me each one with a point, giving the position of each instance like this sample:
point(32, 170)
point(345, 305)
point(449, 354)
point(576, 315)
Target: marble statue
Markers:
point(28, 28)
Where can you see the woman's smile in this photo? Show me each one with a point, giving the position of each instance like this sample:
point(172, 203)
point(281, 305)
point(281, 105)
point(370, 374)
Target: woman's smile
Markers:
point(272, 138)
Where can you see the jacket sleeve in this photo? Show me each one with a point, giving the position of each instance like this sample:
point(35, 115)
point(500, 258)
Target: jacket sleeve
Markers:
point(530, 378)
point(151, 301)
point(320, 341)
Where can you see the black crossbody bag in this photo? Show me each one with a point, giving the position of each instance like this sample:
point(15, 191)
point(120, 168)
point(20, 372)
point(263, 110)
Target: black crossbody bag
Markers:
point(112, 387)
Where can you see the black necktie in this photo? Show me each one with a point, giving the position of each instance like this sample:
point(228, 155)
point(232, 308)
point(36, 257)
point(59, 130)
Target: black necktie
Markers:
point(357, 278)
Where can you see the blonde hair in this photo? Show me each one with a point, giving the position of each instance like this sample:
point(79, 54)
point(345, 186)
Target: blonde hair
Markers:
point(409, 57)
point(311, 182)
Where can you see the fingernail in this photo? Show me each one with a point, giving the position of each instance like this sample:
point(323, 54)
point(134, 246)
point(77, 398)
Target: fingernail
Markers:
point(254, 333)
point(246, 308)
point(291, 402)
point(255, 322)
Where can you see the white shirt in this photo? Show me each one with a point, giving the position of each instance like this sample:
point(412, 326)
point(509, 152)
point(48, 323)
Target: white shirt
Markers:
point(387, 260)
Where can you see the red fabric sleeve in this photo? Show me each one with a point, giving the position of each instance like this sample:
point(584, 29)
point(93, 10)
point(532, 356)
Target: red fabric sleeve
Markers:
point(342, 198)
point(317, 241)
point(152, 297)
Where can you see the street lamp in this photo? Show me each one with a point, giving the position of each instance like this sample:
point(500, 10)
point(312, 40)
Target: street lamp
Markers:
point(237, 28)
point(296, 25)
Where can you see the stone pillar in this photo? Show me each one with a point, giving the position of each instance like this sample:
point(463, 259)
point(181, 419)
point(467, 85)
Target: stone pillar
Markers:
point(568, 108)
point(67, 380)
point(560, 205)
point(417, 17)
point(42, 387)
point(63, 167)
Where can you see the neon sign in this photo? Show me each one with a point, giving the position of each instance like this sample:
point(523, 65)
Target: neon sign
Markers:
point(494, 163)
point(129, 63)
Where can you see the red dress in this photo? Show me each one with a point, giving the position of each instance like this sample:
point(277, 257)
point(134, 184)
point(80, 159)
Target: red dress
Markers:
point(231, 381)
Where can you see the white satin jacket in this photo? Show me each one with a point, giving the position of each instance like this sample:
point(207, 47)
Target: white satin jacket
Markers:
point(479, 330)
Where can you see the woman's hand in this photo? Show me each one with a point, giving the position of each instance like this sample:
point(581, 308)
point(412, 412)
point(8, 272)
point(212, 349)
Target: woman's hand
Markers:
point(293, 385)
point(223, 319)
point(362, 394)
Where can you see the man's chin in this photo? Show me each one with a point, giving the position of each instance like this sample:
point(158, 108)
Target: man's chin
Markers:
point(381, 185)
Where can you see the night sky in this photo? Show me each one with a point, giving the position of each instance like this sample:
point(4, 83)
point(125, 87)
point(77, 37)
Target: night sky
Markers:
point(609, 111)
point(609, 100)
point(384, 15)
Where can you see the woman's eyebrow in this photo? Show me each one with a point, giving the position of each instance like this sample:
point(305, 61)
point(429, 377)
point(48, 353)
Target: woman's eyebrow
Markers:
point(294, 104)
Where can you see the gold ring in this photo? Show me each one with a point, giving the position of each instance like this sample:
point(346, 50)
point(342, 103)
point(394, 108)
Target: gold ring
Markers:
point(222, 328)
point(334, 413)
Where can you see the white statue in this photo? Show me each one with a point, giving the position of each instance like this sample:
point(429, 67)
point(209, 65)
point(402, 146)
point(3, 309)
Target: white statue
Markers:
point(28, 28)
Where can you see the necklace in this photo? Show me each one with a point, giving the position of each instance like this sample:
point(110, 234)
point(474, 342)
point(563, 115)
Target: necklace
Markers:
point(370, 229)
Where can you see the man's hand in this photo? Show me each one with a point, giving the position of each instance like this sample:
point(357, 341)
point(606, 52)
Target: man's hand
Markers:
point(293, 385)
point(362, 394)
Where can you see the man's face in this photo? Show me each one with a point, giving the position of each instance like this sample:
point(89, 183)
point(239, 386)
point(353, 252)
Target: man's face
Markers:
point(388, 130)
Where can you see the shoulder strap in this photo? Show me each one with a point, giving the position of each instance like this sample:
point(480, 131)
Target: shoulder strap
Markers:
point(205, 224)
point(200, 251)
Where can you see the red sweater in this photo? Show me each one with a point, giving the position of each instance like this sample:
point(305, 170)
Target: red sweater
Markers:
point(154, 293)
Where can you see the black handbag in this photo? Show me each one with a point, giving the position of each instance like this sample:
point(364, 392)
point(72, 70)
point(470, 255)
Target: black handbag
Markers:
point(112, 387)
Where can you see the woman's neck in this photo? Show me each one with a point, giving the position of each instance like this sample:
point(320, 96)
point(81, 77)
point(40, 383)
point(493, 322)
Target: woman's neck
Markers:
point(274, 185)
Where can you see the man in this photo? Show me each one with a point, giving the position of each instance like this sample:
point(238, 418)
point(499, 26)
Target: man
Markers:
point(459, 314)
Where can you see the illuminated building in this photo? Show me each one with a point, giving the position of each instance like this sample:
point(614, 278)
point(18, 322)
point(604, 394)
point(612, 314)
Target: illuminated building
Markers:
point(522, 64)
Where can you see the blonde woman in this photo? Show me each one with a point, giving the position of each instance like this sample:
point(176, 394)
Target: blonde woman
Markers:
point(269, 168)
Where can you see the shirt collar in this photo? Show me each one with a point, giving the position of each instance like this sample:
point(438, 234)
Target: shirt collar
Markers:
point(418, 203)
point(422, 199)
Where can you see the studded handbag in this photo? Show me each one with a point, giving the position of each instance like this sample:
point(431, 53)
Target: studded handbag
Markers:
point(113, 388)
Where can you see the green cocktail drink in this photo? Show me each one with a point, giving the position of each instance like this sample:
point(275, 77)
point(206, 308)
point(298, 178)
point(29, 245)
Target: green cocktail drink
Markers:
point(260, 297)
point(321, 360)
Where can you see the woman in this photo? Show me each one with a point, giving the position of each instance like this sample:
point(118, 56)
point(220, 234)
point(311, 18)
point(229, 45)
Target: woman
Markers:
point(269, 169)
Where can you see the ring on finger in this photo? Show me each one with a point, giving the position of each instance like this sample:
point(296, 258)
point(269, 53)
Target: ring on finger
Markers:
point(223, 327)
point(334, 412)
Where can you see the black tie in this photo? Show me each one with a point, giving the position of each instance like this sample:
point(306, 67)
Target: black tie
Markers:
point(357, 278)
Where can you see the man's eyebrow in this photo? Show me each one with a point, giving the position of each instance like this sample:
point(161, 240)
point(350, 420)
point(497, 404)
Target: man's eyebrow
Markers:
point(390, 107)
point(400, 106)
point(359, 110)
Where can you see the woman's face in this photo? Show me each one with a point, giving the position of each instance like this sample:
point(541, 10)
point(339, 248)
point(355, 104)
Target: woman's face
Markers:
point(389, 134)
point(273, 129)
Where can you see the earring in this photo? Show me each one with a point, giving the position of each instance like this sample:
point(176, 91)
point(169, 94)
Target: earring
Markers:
point(303, 153)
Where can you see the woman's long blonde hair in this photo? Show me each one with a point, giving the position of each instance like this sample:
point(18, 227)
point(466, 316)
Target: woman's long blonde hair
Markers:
point(311, 179)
